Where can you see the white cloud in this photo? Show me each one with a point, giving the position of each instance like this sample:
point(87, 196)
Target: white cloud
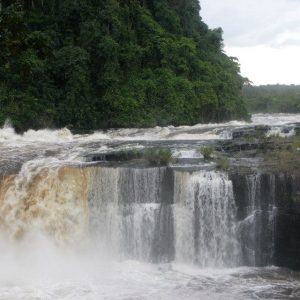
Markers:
point(252, 22)
point(263, 34)
point(266, 65)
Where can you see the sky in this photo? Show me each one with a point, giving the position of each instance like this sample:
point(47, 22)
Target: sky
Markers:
point(263, 34)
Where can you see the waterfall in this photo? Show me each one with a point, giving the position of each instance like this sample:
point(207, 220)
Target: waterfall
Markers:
point(205, 231)
point(45, 198)
point(132, 218)
point(128, 213)
point(149, 214)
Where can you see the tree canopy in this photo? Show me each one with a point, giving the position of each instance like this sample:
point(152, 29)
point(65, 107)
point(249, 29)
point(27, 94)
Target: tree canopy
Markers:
point(113, 63)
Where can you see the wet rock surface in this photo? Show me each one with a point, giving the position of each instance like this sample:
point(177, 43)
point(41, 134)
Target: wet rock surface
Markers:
point(268, 210)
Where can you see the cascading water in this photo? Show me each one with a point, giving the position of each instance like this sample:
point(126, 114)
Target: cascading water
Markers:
point(46, 199)
point(149, 214)
point(130, 216)
point(205, 225)
point(130, 213)
point(133, 212)
point(125, 205)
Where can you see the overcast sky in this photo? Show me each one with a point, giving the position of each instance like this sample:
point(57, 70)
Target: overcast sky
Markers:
point(263, 34)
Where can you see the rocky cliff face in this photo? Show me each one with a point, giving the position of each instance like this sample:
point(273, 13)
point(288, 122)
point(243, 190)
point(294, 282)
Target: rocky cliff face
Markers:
point(287, 225)
point(269, 215)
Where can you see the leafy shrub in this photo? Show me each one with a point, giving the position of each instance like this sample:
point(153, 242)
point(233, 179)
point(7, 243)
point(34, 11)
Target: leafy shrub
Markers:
point(158, 156)
point(222, 163)
point(207, 152)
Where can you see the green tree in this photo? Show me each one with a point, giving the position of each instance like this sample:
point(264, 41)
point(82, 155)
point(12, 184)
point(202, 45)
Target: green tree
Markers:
point(112, 63)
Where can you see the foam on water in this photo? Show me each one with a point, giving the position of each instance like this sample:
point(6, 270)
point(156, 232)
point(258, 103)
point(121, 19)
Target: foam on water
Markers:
point(275, 119)
point(8, 135)
point(196, 132)
point(277, 131)
point(36, 270)
point(185, 153)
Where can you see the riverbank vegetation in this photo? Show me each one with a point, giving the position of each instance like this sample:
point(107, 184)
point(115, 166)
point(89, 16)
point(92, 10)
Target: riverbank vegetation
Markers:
point(158, 156)
point(222, 163)
point(207, 152)
point(113, 63)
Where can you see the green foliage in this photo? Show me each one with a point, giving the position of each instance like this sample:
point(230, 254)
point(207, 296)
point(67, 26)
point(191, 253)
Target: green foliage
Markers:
point(272, 98)
point(158, 156)
point(113, 63)
point(222, 163)
point(207, 152)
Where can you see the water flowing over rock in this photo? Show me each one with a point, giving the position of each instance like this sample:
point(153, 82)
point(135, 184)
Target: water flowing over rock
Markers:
point(205, 224)
point(134, 215)
point(50, 200)
point(131, 213)
point(204, 218)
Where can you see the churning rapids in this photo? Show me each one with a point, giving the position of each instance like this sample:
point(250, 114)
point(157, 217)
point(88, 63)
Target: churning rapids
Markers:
point(74, 227)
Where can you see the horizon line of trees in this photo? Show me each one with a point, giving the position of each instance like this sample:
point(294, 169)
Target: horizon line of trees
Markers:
point(275, 98)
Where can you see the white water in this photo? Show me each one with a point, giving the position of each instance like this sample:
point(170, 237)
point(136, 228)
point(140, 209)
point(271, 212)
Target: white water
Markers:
point(68, 148)
point(205, 231)
point(196, 132)
point(277, 131)
point(41, 272)
point(36, 270)
point(123, 211)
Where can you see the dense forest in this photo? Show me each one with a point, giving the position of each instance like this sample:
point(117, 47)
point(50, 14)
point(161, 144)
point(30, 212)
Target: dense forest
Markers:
point(272, 98)
point(113, 63)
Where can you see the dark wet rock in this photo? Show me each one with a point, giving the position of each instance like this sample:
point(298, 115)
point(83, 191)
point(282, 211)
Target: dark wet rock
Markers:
point(238, 146)
point(297, 129)
point(268, 209)
point(51, 152)
point(117, 156)
point(250, 133)
point(287, 238)
point(254, 200)
point(255, 146)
